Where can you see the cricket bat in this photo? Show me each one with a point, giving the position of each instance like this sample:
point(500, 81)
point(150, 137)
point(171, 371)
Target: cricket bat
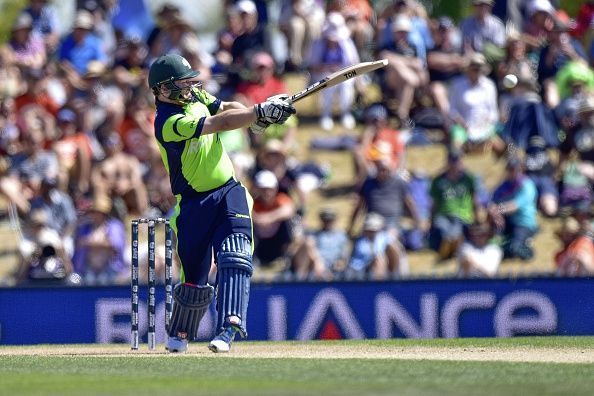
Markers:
point(338, 77)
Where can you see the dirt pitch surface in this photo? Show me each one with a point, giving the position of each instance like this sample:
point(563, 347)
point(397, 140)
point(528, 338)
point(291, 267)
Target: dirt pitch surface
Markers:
point(314, 350)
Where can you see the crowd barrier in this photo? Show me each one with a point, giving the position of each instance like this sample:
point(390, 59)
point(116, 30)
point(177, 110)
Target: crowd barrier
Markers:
point(305, 311)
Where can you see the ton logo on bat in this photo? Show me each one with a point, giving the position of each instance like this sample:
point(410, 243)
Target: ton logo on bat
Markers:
point(350, 74)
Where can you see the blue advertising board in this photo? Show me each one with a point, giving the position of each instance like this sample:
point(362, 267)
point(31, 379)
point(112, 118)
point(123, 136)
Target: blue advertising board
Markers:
point(303, 311)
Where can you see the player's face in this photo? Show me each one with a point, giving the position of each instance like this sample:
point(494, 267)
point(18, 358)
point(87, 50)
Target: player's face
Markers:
point(186, 87)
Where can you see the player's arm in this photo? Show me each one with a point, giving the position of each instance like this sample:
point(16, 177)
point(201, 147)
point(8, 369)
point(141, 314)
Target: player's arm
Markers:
point(224, 106)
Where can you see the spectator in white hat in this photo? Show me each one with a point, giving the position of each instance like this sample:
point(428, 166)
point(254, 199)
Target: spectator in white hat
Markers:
point(272, 215)
point(330, 53)
point(80, 47)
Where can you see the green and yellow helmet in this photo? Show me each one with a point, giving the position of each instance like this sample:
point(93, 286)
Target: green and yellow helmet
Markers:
point(168, 69)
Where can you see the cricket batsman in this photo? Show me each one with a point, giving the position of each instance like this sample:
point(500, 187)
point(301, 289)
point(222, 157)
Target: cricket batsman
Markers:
point(212, 214)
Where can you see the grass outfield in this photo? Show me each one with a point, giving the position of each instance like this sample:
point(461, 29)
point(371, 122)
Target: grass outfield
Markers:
point(519, 366)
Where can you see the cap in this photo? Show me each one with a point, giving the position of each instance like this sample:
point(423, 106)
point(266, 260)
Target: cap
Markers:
point(540, 6)
point(335, 28)
point(479, 2)
point(23, 21)
point(402, 24)
point(170, 67)
point(373, 222)
point(445, 23)
point(477, 59)
point(265, 179)
point(376, 112)
point(327, 214)
point(262, 59)
point(83, 20)
point(66, 115)
point(247, 6)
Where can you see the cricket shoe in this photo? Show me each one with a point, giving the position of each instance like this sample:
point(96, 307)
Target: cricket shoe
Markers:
point(176, 345)
point(222, 342)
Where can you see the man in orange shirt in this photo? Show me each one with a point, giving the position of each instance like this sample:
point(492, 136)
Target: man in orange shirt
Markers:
point(272, 215)
point(577, 256)
point(378, 141)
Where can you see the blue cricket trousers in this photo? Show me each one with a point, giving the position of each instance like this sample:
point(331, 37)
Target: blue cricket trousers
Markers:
point(202, 222)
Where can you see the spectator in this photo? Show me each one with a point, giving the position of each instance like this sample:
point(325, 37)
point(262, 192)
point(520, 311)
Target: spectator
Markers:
point(272, 215)
point(359, 15)
point(540, 169)
point(301, 22)
point(131, 68)
point(580, 136)
point(42, 252)
point(333, 51)
point(515, 61)
point(36, 161)
point(418, 36)
point(482, 32)
point(253, 37)
point(473, 106)
point(477, 257)
point(406, 70)
point(528, 117)
point(386, 193)
point(322, 252)
point(575, 183)
point(374, 255)
point(577, 255)
point(456, 205)
point(80, 47)
point(45, 22)
point(513, 209)
point(560, 49)
point(99, 246)
point(137, 131)
point(265, 84)
point(539, 22)
point(27, 47)
point(59, 211)
point(444, 63)
point(73, 149)
point(378, 139)
point(118, 176)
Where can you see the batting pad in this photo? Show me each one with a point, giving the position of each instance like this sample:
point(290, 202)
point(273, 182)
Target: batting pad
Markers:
point(190, 304)
point(234, 262)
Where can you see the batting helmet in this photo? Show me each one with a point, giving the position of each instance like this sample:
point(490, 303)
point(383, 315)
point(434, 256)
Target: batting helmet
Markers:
point(170, 68)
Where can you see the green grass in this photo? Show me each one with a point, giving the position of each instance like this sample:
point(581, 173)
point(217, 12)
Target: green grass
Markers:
point(40, 374)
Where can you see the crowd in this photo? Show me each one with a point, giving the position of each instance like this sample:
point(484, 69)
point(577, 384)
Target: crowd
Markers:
point(79, 158)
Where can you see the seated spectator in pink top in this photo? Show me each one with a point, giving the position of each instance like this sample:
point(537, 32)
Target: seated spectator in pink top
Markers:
point(27, 46)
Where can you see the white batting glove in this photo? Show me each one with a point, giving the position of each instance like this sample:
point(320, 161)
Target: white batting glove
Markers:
point(274, 111)
point(259, 127)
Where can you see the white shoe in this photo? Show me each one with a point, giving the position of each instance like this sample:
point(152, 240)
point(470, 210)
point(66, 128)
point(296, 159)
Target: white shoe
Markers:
point(222, 342)
point(326, 123)
point(176, 345)
point(348, 121)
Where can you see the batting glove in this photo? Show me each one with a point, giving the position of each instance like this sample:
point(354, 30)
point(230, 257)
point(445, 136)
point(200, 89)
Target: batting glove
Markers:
point(259, 127)
point(274, 111)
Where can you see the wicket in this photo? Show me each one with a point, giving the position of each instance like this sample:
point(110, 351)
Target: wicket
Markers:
point(152, 340)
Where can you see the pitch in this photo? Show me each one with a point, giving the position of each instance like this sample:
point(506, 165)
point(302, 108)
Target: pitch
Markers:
point(526, 366)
